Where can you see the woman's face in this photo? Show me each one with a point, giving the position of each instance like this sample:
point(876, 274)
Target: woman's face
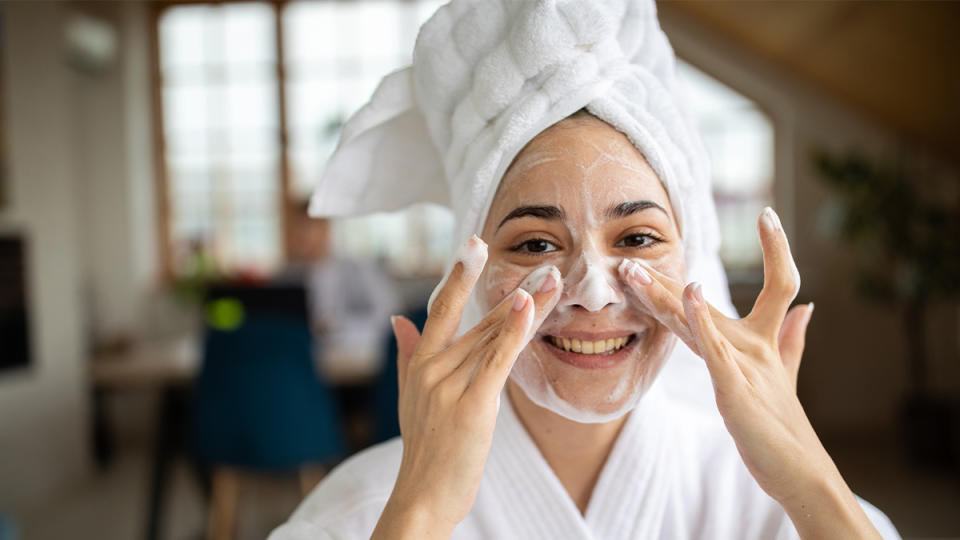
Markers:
point(581, 197)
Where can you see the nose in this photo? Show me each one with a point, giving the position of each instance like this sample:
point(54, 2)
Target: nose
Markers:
point(591, 285)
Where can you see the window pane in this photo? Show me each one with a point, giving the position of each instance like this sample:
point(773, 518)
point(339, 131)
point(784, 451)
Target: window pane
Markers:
point(220, 120)
point(186, 108)
point(184, 36)
point(249, 36)
point(250, 105)
point(739, 140)
point(336, 53)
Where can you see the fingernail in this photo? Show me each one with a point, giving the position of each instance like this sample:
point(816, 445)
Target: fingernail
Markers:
point(549, 284)
point(696, 294)
point(541, 280)
point(393, 324)
point(772, 219)
point(634, 270)
point(811, 308)
point(520, 299)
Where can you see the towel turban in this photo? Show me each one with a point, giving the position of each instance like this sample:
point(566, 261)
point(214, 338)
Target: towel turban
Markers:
point(487, 77)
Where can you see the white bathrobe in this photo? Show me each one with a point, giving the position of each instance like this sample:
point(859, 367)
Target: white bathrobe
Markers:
point(673, 473)
point(486, 78)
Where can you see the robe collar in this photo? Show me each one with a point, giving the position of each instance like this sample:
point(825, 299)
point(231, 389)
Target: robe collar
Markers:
point(630, 496)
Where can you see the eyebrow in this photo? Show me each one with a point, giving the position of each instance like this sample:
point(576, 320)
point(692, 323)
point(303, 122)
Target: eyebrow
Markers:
point(625, 209)
point(542, 212)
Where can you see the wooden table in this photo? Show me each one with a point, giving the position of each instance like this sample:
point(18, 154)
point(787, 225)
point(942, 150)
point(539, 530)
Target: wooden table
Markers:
point(169, 367)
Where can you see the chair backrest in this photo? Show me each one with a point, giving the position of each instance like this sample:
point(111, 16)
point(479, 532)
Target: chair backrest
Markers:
point(259, 402)
point(386, 393)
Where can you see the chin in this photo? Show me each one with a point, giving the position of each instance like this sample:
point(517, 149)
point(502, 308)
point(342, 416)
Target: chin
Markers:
point(591, 387)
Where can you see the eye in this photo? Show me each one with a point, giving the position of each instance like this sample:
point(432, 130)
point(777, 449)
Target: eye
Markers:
point(537, 245)
point(640, 240)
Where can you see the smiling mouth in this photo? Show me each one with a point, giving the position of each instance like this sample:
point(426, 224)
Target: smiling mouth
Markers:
point(602, 347)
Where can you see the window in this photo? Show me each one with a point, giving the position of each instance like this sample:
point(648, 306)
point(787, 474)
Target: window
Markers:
point(225, 102)
point(336, 54)
point(220, 120)
point(221, 90)
point(739, 138)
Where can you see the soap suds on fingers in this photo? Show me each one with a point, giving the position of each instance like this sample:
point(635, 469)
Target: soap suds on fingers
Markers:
point(472, 255)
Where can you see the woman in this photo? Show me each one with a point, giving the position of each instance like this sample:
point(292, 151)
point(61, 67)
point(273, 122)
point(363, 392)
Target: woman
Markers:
point(540, 418)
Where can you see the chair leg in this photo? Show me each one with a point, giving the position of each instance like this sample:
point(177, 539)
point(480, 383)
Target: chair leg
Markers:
point(310, 476)
point(223, 504)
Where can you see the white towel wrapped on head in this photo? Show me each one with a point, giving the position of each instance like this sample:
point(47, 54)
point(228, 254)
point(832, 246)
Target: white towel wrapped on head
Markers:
point(486, 78)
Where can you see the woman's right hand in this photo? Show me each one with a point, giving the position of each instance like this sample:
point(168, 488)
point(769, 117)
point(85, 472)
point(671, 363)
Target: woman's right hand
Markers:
point(449, 397)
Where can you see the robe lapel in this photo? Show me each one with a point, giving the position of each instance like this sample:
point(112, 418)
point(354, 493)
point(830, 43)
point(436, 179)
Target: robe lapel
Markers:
point(525, 489)
point(632, 492)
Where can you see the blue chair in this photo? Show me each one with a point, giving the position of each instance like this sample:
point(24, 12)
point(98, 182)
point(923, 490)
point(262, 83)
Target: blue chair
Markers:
point(386, 420)
point(260, 406)
point(8, 527)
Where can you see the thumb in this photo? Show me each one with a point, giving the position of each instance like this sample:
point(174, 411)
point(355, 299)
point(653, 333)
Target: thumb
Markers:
point(407, 337)
point(793, 336)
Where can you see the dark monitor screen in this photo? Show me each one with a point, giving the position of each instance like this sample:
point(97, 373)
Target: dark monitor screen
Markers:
point(14, 331)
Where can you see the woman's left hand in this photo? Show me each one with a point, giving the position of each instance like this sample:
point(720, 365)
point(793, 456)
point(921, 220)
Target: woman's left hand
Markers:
point(753, 363)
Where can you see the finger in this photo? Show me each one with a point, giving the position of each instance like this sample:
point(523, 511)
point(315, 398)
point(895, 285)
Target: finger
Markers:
point(545, 287)
point(460, 349)
point(495, 360)
point(792, 338)
point(451, 296)
point(781, 280)
point(407, 335)
point(662, 296)
point(712, 345)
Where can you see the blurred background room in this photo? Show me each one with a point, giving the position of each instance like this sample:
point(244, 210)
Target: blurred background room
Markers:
point(184, 353)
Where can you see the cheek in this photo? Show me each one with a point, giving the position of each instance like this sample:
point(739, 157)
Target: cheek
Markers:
point(497, 281)
point(672, 265)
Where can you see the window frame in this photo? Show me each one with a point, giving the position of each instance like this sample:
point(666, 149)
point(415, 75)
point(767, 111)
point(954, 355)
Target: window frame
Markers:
point(162, 184)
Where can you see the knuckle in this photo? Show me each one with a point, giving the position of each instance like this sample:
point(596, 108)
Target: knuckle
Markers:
point(755, 347)
point(430, 376)
point(498, 357)
point(489, 337)
point(441, 307)
point(444, 393)
point(486, 324)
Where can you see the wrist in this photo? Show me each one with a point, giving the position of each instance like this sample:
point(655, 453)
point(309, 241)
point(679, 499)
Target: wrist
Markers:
point(405, 517)
point(826, 508)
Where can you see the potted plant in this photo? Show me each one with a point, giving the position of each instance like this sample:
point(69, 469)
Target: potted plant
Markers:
point(906, 234)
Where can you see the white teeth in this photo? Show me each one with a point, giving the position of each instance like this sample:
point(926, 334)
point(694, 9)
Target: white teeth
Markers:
point(589, 347)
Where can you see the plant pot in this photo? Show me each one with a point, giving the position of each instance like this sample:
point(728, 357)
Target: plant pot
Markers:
point(930, 427)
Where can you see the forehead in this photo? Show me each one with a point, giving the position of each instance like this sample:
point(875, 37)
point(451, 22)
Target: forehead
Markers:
point(581, 163)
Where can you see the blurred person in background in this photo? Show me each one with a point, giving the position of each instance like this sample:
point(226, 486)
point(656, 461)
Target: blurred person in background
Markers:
point(349, 300)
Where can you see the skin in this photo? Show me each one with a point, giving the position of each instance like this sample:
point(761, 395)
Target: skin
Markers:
point(448, 413)
point(579, 168)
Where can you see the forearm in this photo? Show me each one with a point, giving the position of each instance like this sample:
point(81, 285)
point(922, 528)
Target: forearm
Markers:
point(827, 509)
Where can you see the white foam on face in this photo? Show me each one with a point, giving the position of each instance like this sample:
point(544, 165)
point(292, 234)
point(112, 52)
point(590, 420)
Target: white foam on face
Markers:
point(595, 298)
point(597, 395)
